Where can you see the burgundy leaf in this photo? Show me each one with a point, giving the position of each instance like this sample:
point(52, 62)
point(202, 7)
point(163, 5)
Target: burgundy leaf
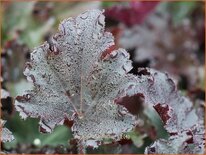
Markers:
point(132, 13)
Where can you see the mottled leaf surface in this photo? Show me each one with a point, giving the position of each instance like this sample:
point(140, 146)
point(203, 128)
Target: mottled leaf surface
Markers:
point(177, 113)
point(72, 81)
point(173, 145)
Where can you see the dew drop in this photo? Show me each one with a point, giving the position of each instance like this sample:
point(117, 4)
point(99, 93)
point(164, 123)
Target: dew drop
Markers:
point(28, 96)
point(68, 64)
point(114, 54)
point(79, 31)
point(95, 36)
point(127, 67)
point(37, 142)
point(72, 95)
point(84, 15)
point(93, 77)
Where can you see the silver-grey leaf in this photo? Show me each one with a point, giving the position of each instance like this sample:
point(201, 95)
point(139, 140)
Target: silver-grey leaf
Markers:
point(72, 81)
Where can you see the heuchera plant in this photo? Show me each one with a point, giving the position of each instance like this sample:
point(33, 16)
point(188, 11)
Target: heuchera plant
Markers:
point(72, 80)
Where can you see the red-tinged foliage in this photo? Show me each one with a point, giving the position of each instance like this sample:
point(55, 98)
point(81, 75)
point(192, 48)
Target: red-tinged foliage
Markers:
point(130, 14)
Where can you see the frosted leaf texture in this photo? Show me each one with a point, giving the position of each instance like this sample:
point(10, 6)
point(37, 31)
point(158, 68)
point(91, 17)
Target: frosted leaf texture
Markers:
point(181, 143)
point(159, 90)
point(72, 81)
point(177, 113)
point(6, 135)
point(172, 146)
point(111, 120)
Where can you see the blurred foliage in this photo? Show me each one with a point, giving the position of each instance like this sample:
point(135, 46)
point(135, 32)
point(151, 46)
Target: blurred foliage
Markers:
point(179, 10)
point(32, 21)
point(156, 122)
point(106, 4)
point(26, 131)
point(21, 23)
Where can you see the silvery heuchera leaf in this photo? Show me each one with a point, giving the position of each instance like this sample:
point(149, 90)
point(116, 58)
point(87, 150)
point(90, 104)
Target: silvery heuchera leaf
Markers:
point(173, 146)
point(6, 135)
point(182, 143)
point(159, 90)
point(72, 81)
point(177, 113)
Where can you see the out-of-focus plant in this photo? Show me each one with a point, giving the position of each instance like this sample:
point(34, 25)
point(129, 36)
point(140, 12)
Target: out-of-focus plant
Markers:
point(163, 38)
point(130, 13)
point(20, 24)
point(179, 10)
point(12, 51)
